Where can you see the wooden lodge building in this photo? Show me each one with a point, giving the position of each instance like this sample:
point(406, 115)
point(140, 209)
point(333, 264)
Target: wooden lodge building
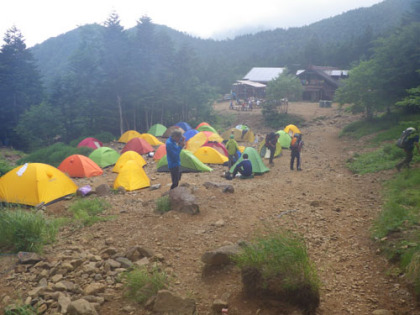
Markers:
point(319, 83)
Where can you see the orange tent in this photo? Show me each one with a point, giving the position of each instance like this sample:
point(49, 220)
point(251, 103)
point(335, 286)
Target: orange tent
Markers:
point(77, 165)
point(160, 152)
point(138, 145)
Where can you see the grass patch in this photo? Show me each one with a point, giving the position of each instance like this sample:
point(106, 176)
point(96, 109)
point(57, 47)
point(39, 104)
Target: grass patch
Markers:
point(5, 166)
point(53, 154)
point(281, 260)
point(396, 228)
point(20, 309)
point(141, 284)
point(280, 121)
point(163, 204)
point(85, 211)
point(22, 230)
point(381, 159)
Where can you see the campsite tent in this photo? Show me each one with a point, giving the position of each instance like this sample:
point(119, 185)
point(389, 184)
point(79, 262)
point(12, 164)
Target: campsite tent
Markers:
point(131, 177)
point(239, 135)
point(90, 142)
point(183, 125)
point(258, 166)
point(157, 130)
point(104, 156)
point(77, 165)
point(160, 152)
point(127, 156)
point(34, 183)
point(128, 135)
point(190, 133)
point(218, 146)
point(138, 145)
point(242, 127)
point(207, 128)
point(284, 138)
point(264, 153)
point(210, 155)
point(202, 124)
point(171, 129)
point(189, 163)
point(151, 139)
point(291, 130)
point(200, 139)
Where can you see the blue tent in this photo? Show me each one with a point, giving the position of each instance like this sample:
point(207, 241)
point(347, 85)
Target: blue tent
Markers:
point(190, 133)
point(183, 125)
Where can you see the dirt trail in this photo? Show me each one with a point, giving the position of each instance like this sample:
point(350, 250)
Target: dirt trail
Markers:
point(332, 208)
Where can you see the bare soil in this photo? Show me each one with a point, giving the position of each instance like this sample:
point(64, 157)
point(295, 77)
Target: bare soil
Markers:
point(331, 207)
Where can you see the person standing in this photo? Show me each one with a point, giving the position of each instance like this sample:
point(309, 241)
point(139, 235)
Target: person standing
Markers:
point(411, 140)
point(232, 148)
point(174, 145)
point(271, 144)
point(295, 147)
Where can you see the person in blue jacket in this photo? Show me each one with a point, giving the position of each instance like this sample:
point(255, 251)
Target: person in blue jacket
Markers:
point(244, 168)
point(174, 145)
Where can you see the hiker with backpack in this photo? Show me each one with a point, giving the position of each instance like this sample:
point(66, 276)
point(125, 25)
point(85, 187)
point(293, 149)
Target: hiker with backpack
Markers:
point(232, 148)
point(407, 141)
point(295, 147)
point(271, 143)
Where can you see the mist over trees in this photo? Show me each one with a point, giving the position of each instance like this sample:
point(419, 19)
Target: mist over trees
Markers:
point(103, 78)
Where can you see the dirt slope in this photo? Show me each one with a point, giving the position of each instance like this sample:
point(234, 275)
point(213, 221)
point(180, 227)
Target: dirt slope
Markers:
point(327, 204)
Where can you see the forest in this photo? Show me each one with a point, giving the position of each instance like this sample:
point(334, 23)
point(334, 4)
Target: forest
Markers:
point(103, 78)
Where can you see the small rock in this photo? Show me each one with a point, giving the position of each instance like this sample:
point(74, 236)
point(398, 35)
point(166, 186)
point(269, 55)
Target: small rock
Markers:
point(125, 262)
point(103, 190)
point(382, 312)
point(81, 307)
point(155, 186)
point(93, 288)
point(28, 258)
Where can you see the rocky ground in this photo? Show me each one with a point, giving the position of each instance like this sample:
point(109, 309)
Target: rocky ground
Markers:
point(332, 208)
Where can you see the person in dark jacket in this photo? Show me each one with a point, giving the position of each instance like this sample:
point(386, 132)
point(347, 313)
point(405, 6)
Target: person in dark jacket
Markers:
point(412, 140)
point(174, 145)
point(244, 168)
point(295, 148)
point(271, 143)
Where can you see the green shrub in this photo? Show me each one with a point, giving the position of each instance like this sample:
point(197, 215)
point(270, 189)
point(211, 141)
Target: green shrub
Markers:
point(5, 167)
point(163, 204)
point(86, 211)
point(54, 154)
point(25, 230)
point(140, 284)
point(104, 136)
point(21, 309)
point(281, 260)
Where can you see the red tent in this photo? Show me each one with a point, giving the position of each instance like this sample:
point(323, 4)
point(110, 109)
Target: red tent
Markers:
point(218, 146)
point(160, 152)
point(202, 124)
point(138, 145)
point(91, 143)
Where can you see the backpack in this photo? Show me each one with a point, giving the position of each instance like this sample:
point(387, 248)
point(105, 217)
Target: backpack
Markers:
point(295, 143)
point(402, 142)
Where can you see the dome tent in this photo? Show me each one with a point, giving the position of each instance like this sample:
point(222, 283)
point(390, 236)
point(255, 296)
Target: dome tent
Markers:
point(189, 163)
point(104, 156)
point(138, 145)
point(131, 177)
point(160, 152)
point(77, 165)
point(157, 130)
point(90, 142)
point(284, 139)
point(239, 135)
point(150, 139)
point(291, 130)
point(184, 125)
point(127, 156)
point(264, 153)
point(258, 166)
point(34, 183)
point(210, 155)
point(128, 135)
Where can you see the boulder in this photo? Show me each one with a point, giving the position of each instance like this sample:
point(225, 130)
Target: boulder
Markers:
point(168, 303)
point(226, 188)
point(137, 252)
point(93, 288)
point(221, 256)
point(183, 200)
point(28, 258)
point(81, 307)
point(103, 190)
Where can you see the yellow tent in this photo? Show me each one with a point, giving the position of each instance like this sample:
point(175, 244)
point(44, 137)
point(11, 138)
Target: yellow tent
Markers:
point(239, 136)
point(151, 139)
point(210, 155)
point(201, 138)
point(128, 135)
point(291, 130)
point(241, 148)
point(127, 156)
point(131, 177)
point(34, 183)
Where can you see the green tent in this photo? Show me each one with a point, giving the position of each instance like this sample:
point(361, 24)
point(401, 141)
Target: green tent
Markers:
point(284, 139)
point(104, 156)
point(207, 128)
point(258, 166)
point(264, 153)
point(157, 130)
point(189, 163)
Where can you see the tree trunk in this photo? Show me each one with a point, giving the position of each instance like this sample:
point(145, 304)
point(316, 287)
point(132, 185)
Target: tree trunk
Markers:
point(120, 112)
